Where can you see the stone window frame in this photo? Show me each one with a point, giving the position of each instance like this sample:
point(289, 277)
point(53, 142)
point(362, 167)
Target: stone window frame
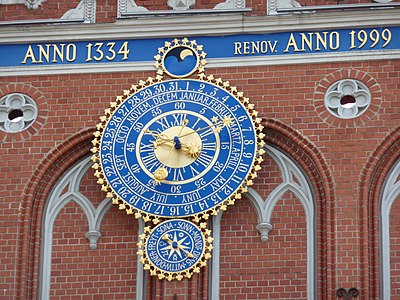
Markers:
point(293, 180)
point(67, 190)
point(391, 191)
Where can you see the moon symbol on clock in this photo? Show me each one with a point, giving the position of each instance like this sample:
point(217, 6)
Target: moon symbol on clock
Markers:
point(185, 53)
point(180, 61)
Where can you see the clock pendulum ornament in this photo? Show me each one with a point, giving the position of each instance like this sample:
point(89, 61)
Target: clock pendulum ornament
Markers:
point(176, 151)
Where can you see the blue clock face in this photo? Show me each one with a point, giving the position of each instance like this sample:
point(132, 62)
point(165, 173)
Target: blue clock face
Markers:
point(178, 148)
point(175, 246)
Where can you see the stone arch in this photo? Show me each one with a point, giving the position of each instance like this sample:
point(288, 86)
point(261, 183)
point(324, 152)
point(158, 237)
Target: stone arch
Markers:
point(279, 135)
point(314, 186)
point(67, 190)
point(391, 191)
point(311, 160)
point(372, 181)
point(35, 194)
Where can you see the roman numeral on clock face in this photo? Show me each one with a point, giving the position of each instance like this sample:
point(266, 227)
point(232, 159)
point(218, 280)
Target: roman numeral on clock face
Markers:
point(204, 159)
point(151, 162)
point(178, 174)
point(171, 121)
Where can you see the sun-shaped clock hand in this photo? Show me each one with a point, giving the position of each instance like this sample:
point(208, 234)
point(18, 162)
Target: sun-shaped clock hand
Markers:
point(191, 149)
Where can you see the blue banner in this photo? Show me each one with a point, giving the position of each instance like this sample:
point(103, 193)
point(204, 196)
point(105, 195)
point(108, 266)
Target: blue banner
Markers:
point(243, 45)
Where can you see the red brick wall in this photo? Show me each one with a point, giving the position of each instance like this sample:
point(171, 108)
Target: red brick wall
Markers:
point(195, 288)
point(109, 270)
point(288, 94)
point(251, 269)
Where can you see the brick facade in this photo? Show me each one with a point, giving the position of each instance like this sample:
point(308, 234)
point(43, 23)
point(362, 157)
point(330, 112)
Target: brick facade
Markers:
point(346, 163)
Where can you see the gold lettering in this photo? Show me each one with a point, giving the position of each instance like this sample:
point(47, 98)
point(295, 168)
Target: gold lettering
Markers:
point(264, 47)
point(29, 54)
point(336, 41)
point(246, 47)
point(44, 53)
point(238, 46)
point(305, 40)
point(291, 43)
point(71, 54)
point(58, 52)
point(321, 40)
point(255, 47)
point(272, 47)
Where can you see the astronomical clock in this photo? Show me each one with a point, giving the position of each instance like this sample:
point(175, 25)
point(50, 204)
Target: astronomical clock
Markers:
point(173, 150)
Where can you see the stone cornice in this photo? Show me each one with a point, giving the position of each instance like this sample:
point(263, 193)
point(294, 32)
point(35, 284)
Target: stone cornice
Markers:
point(198, 25)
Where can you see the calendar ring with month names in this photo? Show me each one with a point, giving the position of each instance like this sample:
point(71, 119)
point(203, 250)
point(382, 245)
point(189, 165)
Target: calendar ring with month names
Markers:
point(179, 148)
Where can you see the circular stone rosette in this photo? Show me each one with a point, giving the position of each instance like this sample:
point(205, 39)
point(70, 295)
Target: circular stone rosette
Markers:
point(175, 249)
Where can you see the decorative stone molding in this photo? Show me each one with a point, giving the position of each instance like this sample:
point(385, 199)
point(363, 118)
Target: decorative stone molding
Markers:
point(86, 10)
point(274, 5)
point(129, 6)
point(17, 112)
point(231, 4)
point(30, 4)
point(93, 236)
point(6, 2)
point(359, 86)
point(347, 98)
point(264, 228)
point(181, 4)
point(34, 4)
point(66, 191)
point(391, 192)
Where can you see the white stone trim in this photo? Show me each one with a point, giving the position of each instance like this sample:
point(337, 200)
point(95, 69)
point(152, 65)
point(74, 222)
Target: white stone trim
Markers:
point(213, 288)
point(291, 174)
point(181, 4)
point(391, 191)
point(57, 200)
point(231, 4)
point(30, 4)
point(85, 10)
point(141, 276)
point(26, 110)
point(200, 25)
point(8, 2)
point(128, 7)
point(274, 5)
point(347, 87)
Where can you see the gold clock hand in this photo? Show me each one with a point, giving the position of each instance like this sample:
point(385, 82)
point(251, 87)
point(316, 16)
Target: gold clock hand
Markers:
point(160, 174)
point(188, 254)
point(166, 237)
point(225, 121)
point(184, 123)
point(193, 150)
